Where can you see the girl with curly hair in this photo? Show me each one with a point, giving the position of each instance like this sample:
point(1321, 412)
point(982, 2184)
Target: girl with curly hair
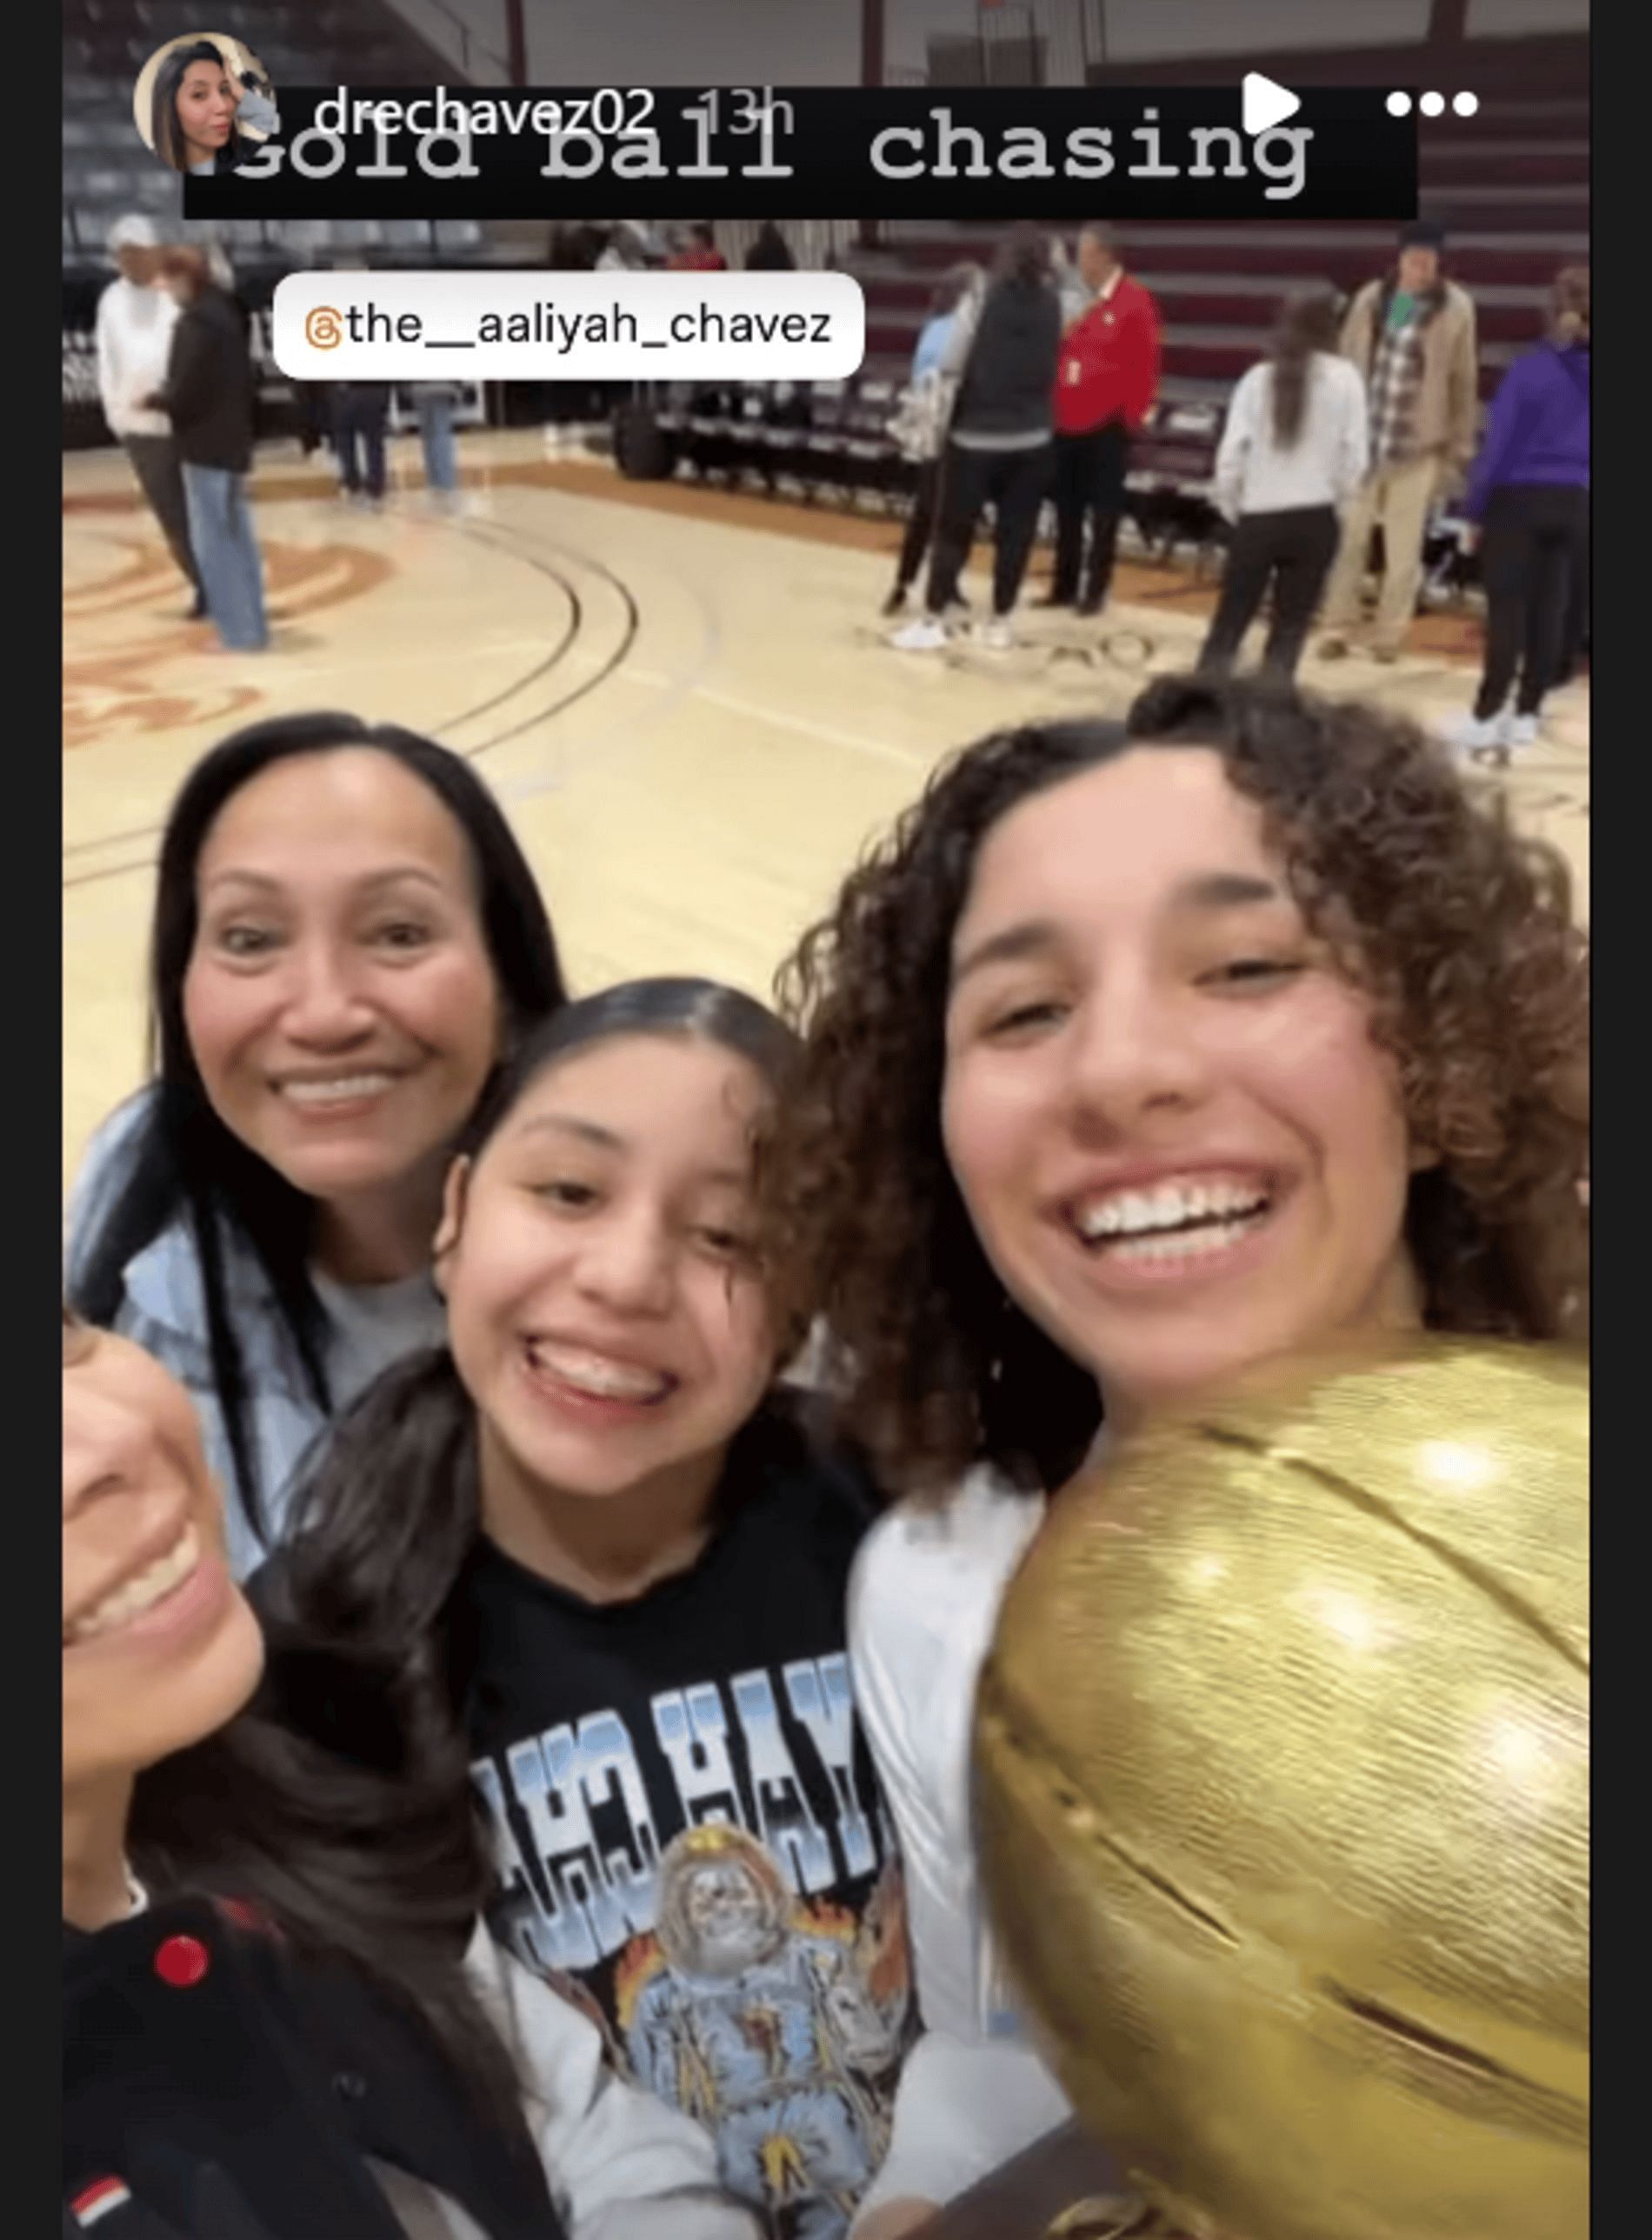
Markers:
point(1136, 1055)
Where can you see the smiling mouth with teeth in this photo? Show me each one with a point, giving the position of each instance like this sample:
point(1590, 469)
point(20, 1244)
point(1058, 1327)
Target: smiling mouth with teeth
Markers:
point(136, 1596)
point(346, 1089)
point(595, 1376)
point(1173, 1220)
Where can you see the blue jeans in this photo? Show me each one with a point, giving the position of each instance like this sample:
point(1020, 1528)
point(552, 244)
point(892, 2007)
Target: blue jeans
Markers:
point(231, 573)
point(435, 431)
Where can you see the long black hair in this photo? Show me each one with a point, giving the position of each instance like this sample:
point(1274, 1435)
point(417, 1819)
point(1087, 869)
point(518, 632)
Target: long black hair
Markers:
point(184, 1161)
point(259, 1815)
point(388, 1512)
point(367, 1657)
point(164, 129)
point(342, 1856)
point(1308, 321)
point(1023, 260)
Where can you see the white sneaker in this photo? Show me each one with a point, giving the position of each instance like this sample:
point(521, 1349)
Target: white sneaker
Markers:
point(1471, 734)
point(926, 634)
point(994, 635)
point(1523, 731)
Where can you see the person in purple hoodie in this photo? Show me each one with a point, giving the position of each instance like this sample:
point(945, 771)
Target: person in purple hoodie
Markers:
point(1528, 488)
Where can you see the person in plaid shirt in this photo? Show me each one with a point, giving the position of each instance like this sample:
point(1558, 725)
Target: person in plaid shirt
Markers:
point(1412, 336)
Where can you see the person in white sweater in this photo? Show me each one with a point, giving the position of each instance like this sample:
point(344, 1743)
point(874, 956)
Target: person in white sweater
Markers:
point(1294, 452)
point(134, 335)
point(1092, 1115)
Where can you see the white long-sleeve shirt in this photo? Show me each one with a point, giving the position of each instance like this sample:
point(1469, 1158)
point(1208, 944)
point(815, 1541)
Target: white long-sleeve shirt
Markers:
point(134, 334)
point(1324, 466)
point(621, 2164)
point(923, 1602)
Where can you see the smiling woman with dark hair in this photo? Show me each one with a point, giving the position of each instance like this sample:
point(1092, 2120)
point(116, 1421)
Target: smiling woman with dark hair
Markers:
point(1139, 1054)
point(280, 2017)
point(347, 942)
point(200, 110)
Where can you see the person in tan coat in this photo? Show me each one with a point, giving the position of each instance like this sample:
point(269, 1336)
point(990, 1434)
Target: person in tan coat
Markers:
point(1412, 336)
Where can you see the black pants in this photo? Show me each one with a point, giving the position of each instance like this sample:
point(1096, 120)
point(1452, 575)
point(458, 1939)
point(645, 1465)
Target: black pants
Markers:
point(1090, 487)
point(155, 462)
point(1533, 551)
point(920, 522)
point(1292, 550)
point(313, 411)
point(1014, 483)
point(360, 419)
point(1575, 643)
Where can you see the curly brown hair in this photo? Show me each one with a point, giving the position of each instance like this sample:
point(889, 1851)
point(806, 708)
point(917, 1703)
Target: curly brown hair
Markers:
point(1461, 929)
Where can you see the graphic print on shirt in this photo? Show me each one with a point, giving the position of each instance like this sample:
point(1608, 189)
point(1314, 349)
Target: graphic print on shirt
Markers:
point(731, 1913)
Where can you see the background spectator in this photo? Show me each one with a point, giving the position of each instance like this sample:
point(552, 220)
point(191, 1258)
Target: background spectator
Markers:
point(1106, 380)
point(434, 402)
point(135, 317)
point(998, 449)
point(1294, 449)
point(696, 250)
point(623, 251)
point(922, 430)
point(360, 413)
point(770, 253)
point(1530, 485)
point(209, 398)
point(1412, 336)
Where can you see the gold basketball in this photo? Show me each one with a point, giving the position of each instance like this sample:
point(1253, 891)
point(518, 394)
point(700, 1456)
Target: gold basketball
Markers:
point(1282, 1754)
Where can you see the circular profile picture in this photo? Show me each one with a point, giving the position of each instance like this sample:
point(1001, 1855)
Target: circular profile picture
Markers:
point(203, 103)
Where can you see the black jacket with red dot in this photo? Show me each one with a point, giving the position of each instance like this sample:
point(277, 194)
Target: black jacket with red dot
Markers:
point(216, 2088)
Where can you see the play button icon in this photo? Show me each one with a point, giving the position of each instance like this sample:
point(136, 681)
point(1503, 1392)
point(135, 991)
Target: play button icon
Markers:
point(1263, 105)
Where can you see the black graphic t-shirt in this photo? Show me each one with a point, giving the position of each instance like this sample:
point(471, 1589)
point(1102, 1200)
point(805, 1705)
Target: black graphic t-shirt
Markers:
point(690, 1837)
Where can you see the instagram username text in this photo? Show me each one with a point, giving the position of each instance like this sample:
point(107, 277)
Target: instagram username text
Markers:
point(511, 325)
point(545, 326)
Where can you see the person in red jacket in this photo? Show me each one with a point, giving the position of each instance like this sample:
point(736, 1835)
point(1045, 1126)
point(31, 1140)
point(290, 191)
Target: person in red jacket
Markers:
point(1106, 379)
point(697, 252)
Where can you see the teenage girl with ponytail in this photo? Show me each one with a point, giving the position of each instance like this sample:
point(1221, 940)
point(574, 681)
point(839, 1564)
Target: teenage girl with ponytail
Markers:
point(1294, 449)
point(586, 1565)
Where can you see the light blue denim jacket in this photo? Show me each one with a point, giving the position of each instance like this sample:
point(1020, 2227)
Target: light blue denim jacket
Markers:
point(164, 1311)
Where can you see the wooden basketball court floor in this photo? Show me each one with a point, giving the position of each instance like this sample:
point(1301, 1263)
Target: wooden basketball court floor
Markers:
point(682, 697)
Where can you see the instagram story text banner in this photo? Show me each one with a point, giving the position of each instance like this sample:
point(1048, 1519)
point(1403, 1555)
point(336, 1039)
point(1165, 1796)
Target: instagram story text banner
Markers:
point(1066, 153)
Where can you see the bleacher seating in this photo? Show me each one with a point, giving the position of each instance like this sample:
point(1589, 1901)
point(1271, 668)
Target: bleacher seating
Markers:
point(827, 442)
